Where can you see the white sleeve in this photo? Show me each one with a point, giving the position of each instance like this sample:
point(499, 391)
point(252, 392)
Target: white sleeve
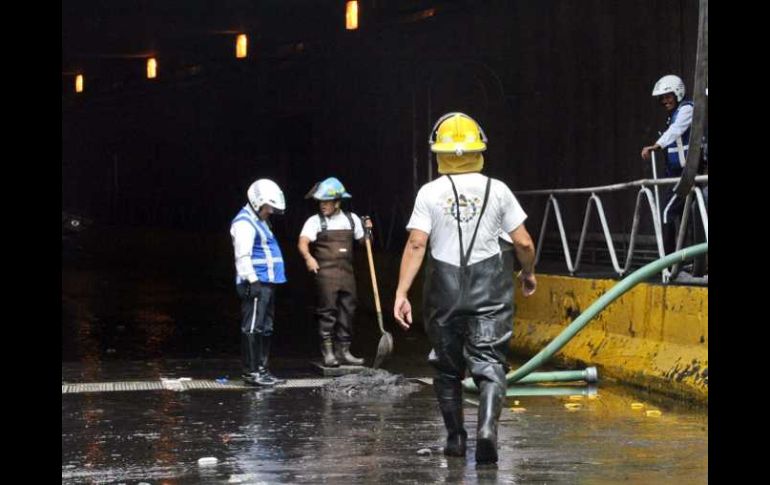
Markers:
point(311, 228)
point(512, 215)
point(677, 128)
point(243, 235)
point(358, 231)
point(420, 218)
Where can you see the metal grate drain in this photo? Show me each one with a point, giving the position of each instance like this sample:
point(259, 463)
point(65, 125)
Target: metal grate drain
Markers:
point(182, 384)
point(187, 384)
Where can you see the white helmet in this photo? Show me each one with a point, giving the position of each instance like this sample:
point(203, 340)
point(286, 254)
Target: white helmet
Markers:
point(265, 191)
point(669, 84)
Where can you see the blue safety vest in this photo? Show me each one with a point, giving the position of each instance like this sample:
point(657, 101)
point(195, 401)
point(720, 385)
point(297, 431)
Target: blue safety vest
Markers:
point(266, 255)
point(674, 159)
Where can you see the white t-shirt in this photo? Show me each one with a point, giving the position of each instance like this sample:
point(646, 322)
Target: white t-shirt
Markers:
point(334, 223)
point(435, 213)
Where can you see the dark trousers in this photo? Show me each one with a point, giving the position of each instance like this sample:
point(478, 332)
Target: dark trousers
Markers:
point(256, 326)
point(257, 311)
point(671, 209)
point(694, 232)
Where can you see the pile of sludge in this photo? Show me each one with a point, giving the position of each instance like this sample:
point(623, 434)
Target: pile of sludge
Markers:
point(368, 383)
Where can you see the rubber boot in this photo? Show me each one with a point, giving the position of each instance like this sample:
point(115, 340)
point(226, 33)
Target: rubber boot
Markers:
point(449, 395)
point(490, 405)
point(259, 376)
point(342, 352)
point(327, 350)
point(249, 357)
point(264, 358)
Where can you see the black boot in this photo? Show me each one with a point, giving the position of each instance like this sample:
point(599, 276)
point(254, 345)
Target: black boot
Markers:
point(449, 395)
point(264, 357)
point(249, 357)
point(342, 352)
point(327, 350)
point(490, 405)
point(257, 375)
point(263, 378)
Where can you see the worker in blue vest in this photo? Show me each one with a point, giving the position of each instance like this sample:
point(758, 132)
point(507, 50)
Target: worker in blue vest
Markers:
point(259, 267)
point(676, 141)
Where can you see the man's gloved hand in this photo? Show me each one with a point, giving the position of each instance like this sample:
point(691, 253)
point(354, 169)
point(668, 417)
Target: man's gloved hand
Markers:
point(252, 289)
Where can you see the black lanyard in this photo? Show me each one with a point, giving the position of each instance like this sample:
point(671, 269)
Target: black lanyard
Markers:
point(464, 257)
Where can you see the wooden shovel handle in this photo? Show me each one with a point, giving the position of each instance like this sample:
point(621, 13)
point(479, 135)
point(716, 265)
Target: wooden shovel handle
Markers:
point(374, 277)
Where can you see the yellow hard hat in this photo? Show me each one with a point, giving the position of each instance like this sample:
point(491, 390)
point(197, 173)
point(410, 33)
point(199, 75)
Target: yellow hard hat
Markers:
point(457, 133)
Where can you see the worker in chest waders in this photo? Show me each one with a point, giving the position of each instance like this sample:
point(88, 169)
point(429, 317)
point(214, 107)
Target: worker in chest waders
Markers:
point(326, 245)
point(468, 293)
point(259, 268)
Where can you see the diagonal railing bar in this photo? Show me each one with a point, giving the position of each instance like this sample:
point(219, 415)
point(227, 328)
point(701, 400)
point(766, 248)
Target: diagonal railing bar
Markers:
point(595, 200)
point(646, 193)
point(553, 203)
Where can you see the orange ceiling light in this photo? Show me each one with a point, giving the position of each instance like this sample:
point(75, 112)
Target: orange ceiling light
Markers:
point(241, 43)
point(351, 15)
point(152, 68)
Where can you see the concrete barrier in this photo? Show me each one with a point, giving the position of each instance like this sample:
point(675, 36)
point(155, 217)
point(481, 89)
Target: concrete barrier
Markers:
point(655, 336)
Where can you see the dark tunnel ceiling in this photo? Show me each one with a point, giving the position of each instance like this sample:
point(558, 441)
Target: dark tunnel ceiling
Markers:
point(95, 30)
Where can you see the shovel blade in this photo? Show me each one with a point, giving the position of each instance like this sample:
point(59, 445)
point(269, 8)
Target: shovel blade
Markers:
point(384, 349)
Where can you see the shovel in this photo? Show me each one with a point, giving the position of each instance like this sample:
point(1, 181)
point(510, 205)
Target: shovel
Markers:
point(385, 346)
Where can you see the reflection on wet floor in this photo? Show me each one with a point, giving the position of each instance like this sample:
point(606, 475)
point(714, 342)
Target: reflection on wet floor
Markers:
point(303, 436)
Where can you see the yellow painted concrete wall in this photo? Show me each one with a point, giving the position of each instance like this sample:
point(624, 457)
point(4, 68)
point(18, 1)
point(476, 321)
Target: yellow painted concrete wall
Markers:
point(654, 336)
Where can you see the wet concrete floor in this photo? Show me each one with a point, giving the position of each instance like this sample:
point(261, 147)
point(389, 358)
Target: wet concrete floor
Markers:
point(149, 321)
point(301, 436)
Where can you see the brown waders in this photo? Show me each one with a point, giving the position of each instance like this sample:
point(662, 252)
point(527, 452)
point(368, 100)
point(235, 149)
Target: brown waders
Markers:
point(336, 287)
point(468, 313)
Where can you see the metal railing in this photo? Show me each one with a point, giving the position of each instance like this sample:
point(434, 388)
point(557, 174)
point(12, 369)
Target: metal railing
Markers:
point(594, 200)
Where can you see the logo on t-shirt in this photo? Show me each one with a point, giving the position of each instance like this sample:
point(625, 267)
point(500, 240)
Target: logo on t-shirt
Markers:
point(469, 207)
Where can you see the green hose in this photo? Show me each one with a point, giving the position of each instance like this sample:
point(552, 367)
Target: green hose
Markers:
point(588, 375)
point(614, 293)
point(517, 391)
